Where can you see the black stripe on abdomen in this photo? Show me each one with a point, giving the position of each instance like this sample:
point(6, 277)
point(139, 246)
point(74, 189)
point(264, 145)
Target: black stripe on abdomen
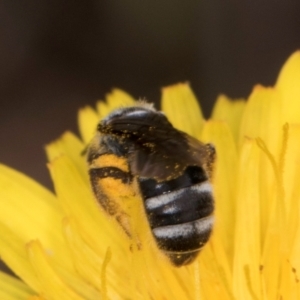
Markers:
point(191, 176)
point(185, 237)
point(180, 206)
point(111, 172)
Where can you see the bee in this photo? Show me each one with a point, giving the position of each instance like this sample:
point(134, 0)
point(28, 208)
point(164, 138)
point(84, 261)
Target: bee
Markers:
point(137, 150)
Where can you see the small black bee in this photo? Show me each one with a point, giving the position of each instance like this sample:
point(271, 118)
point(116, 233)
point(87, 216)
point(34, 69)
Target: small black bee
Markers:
point(137, 149)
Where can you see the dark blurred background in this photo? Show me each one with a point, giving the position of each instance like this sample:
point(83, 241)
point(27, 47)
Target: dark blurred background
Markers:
point(57, 56)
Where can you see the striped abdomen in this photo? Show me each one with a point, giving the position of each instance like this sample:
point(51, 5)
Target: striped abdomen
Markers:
point(180, 213)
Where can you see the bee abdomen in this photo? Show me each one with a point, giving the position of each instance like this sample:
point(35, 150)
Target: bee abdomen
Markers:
point(181, 221)
point(180, 206)
point(185, 237)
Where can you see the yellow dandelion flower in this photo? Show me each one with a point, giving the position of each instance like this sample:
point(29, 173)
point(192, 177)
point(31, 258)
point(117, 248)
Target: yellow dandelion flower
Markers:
point(64, 246)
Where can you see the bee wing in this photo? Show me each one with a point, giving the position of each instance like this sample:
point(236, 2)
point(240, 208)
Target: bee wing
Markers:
point(156, 149)
point(168, 155)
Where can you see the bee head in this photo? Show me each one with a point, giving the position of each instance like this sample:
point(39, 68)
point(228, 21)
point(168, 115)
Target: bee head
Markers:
point(131, 120)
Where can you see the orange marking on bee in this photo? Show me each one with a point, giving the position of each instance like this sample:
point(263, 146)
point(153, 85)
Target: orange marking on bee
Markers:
point(110, 160)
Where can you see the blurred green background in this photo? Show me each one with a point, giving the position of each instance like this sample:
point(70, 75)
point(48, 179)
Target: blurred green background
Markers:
point(57, 56)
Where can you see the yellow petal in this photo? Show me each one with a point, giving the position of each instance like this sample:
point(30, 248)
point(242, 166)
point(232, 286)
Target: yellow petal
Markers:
point(88, 118)
point(50, 283)
point(87, 122)
point(246, 277)
point(291, 239)
point(273, 218)
point(230, 111)
point(288, 85)
point(31, 211)
point(68, 144)
point(76, 283)
point(79, 202)
point(215, 275)
point(294, 267)
point(71, 146)
point(182, 109)
point(12, 251)
point(12, 288)
point(261, 118)
point(289, 287)
point(116, 99)
point(102, 109)
point(291, 171)
point(224, 179)
point(272, 258)
point(89, 263)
